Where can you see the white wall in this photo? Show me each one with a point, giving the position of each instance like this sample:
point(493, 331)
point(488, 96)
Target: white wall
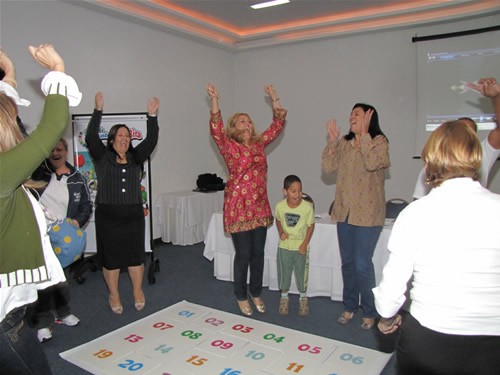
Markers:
point(323, 79)
point(129, 63)
point(316, 80)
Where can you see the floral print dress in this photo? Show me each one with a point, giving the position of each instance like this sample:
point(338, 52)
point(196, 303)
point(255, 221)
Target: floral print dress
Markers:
point(246, 205)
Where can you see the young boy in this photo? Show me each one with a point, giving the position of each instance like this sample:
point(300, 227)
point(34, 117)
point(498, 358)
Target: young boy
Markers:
point(295, 223)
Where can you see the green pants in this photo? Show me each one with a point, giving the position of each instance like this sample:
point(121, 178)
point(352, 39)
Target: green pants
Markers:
point(291, 261)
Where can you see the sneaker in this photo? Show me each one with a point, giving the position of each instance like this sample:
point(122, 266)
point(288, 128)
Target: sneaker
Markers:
point(284, 306)
point(303, 306)
point(69, 320)
point(44, 334)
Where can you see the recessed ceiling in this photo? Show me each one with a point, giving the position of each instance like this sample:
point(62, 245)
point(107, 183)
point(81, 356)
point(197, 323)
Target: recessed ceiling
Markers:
point(234, 25)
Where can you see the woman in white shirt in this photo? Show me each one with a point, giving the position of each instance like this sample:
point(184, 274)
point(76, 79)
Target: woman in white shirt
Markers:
point(449, 241)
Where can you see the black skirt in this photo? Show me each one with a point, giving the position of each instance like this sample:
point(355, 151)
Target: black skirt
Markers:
point(120, 235)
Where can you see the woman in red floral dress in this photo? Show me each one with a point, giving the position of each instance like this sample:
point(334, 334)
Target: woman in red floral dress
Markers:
point(247, 212)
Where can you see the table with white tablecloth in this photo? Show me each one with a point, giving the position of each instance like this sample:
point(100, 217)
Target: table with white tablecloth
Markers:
point(184, 215)
point(325, 277)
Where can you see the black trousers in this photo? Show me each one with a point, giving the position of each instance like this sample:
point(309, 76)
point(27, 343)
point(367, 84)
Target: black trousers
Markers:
point(422, 351)
point(249, 252)
point(52, 302)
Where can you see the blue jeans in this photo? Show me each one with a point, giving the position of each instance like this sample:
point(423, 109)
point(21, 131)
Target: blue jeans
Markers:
point(20, 351)
point(357, 245)
point(249, 251)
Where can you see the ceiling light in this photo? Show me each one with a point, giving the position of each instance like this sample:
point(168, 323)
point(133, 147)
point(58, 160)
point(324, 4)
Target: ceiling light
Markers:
point(269, 4)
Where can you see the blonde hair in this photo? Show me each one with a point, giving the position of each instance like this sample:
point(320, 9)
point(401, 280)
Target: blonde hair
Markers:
point(10, 134)
point(235, 134)
point(453, 150)
point(64, 143)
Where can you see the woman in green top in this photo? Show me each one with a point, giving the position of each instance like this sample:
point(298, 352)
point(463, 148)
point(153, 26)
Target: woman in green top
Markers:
point(27, 261)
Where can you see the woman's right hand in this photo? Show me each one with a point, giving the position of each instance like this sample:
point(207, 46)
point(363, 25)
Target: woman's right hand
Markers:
point(99, 101)
point(46, 56)
point(214, 97)
point(332, 129)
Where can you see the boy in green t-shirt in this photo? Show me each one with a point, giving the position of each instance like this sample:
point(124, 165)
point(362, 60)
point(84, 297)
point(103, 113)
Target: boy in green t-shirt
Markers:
point(295, 223)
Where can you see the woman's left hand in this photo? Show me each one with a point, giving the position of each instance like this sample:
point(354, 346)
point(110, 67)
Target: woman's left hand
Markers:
point(153, 105)
point(270, 90)
point(366, 121)
point(47, 56)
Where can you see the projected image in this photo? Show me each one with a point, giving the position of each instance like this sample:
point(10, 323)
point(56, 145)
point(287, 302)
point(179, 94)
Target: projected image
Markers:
point(463, 87)
point(446, 70)
point(484, 122)
point(448, 78)
point(453, 96)
point(457, 55)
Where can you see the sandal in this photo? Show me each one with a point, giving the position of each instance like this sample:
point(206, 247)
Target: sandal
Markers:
point(368, 323)
point(140, 303)
point(303, 306)
point(345, 317)
point(245, 307)
point(259, 304)
point(283, 310)
point(117, 309)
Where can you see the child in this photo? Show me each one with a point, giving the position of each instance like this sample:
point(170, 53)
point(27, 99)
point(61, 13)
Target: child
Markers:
point(295, 223)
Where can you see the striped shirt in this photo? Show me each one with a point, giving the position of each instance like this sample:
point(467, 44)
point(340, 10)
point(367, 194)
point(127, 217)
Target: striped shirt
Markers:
point(119, 183)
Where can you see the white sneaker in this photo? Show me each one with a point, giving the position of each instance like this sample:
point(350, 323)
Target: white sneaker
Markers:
point(69, 320)
point(44, 334)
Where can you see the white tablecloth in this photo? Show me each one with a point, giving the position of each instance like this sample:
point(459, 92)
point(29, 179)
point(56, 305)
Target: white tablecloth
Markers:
point(325, 277)
point(184, 215)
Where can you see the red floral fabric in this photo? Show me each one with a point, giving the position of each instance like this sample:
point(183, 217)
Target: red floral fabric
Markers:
point(246, 205)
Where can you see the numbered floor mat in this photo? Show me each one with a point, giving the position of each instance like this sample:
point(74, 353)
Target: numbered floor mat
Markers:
point(186, 338)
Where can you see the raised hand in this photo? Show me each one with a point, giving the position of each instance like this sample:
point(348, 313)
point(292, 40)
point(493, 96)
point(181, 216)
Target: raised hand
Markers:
point(271, 91)
point(99, 101)
point(153, 105)
point(46, 56)
point(214, 97)
point(487, 86)
point(212, 91)
point(7, 66)
point(332, 130)
point(366, 121)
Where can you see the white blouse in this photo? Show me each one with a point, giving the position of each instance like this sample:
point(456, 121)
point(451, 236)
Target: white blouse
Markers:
point(449, 241)
point(22, 294)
